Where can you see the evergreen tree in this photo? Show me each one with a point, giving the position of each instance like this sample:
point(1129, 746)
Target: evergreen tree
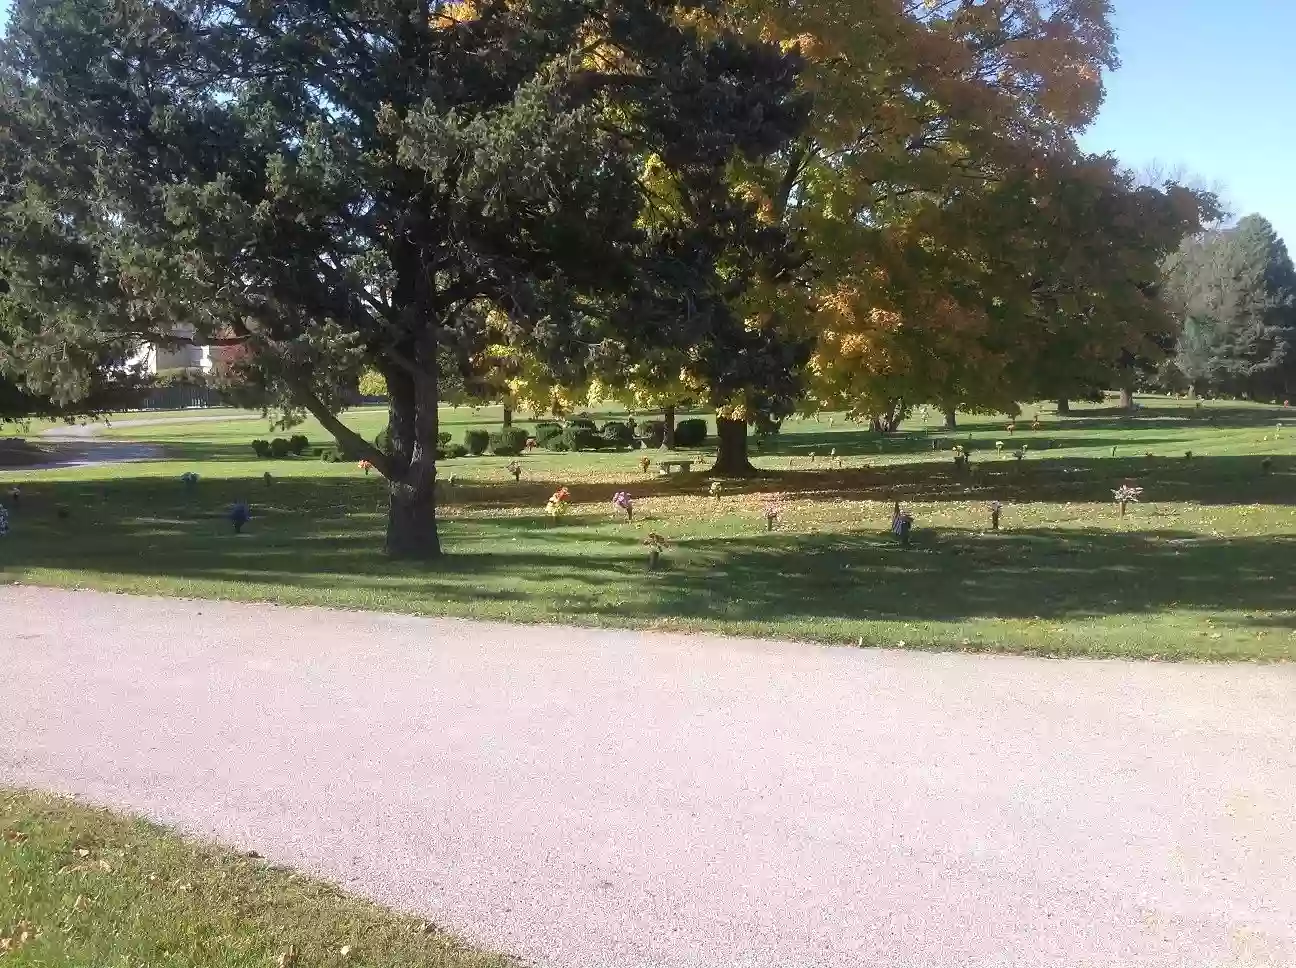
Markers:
point(1236, 291)
point(339, 184)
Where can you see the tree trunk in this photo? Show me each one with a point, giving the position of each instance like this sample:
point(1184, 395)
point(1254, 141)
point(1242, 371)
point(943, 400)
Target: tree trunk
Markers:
point(1063, 406)
point(508, 417)
point(1127, 399)
point(951, 418)
point(731, 458)
point(668, 437)
point(412, 426)
point(411, 518)
point(889, 422)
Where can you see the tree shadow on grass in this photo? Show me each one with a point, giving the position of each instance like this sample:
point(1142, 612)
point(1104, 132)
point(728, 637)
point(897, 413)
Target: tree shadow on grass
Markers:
point(957, 575)
point(179, 449)
point(1222, 480)
point(1209, 415)
point(310, 546)
point(826, 445)
point(1214, 481)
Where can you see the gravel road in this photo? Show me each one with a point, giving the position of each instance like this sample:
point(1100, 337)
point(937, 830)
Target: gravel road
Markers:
point(593, 798)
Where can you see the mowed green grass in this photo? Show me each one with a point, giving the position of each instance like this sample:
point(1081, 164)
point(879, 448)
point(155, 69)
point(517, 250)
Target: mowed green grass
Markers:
point(84, 887)
point(1202, 568)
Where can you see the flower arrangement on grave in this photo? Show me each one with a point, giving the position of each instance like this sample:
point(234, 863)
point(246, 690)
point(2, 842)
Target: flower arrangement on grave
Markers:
point(656, 545)
point(240, 514)
point(559, 504)
point(622, 501)
point(773, 512)
point(1124, 494)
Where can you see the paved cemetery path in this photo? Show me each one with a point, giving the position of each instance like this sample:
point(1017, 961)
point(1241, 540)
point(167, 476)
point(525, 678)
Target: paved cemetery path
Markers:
point(177, 417)
point(78, 445)
point(589, 798)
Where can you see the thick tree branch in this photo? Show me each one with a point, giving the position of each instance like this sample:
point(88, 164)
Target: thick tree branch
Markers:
point(350, 441)
point(170, 339)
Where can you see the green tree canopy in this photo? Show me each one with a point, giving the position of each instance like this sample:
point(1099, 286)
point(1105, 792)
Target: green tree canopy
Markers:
point(340, 184)
point(1235, 289)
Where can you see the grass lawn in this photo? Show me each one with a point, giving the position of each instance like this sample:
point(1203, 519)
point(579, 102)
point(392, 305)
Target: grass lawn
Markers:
point(87, 888)
point(1201, 569)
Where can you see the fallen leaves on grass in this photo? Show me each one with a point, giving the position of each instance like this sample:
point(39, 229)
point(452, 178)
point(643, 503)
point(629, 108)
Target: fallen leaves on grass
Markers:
point(21, 934)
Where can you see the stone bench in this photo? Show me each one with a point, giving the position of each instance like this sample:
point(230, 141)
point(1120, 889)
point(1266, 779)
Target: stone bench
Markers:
point(666, 467)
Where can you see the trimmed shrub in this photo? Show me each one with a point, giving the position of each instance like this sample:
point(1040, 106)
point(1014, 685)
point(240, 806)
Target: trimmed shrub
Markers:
point(280, 448)
point(508, 442)
point(558, 444)
point(298, 444)
point(653, 432)
point(691, 433)
point(617, 436)
point(456, 451)
point(581, 438)
point(583, 420)
point(476, 442)
point(547, 433)
point(262, 448)
point(384, 444)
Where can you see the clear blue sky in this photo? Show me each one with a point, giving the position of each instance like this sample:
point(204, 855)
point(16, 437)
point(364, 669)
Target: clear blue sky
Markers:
point(1210, 85)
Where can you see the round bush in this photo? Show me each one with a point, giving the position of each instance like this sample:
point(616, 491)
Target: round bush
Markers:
point(456, 451)
point(581, 438)
point(617, 436)
point(558, 444)
point(653, 432)
point(298, 444)
point(691, 433)
point(280, 448)
point(508, 442)
point(476, 442)
point(444, 438)
point(546, 432)
point(261, 448)
point(383, 442)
